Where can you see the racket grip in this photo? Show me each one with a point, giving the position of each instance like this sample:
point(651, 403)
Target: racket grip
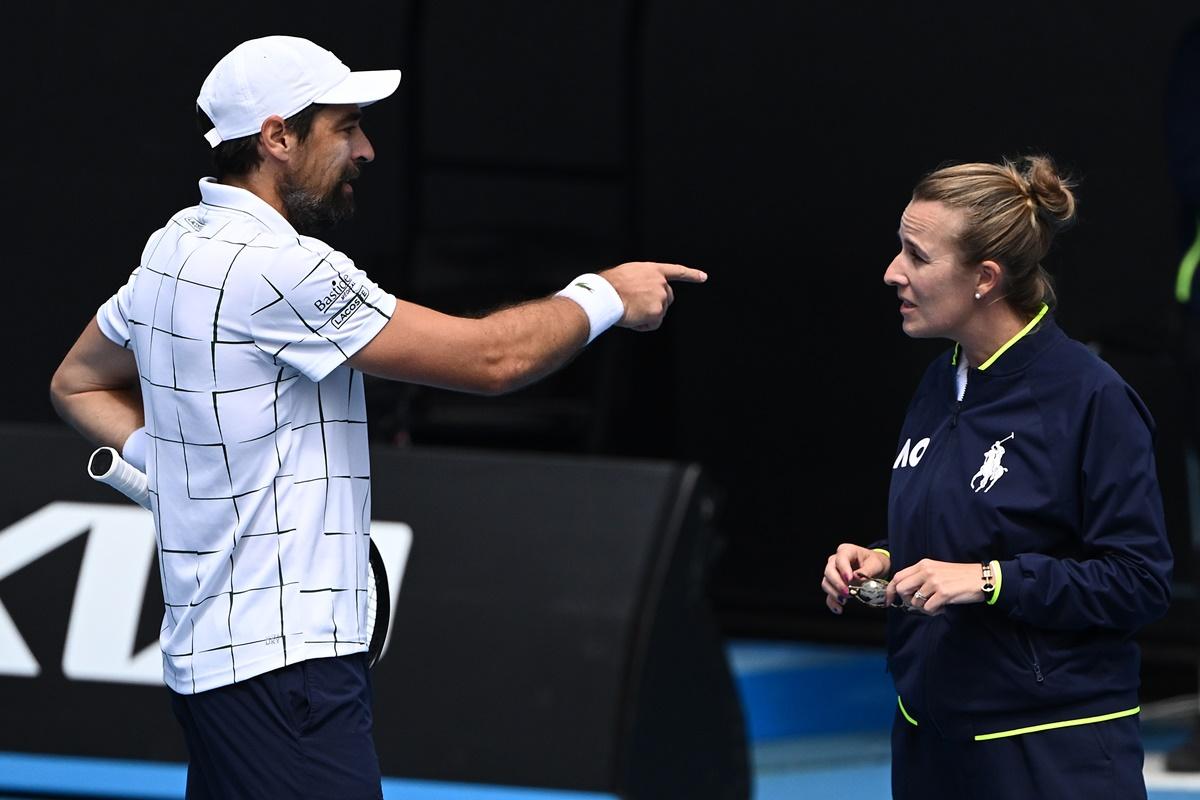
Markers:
point(107, 466)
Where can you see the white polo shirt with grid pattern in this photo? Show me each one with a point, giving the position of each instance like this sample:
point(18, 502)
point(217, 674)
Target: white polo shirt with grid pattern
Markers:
point(257, 463)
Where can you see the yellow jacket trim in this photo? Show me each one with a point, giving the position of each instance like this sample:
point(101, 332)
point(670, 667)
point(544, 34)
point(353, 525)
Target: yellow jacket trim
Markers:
point(1187, 269)
point(1032, 324)
point(900, 703)
point(983, 737)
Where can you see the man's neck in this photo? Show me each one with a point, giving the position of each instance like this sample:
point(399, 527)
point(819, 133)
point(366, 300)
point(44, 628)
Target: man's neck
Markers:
point(260, 184)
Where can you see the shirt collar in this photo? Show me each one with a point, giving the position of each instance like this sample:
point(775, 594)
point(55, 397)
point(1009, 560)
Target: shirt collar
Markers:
point(1020, 349)
point(233, 198)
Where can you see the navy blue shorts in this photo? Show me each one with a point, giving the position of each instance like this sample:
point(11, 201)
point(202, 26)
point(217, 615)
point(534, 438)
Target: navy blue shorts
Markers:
point(302, 731)
point(1080, 762)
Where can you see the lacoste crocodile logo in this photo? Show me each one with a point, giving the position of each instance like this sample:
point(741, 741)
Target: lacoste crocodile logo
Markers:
point(583, 285)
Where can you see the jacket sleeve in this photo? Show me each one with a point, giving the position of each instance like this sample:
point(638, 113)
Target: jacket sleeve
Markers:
point(1121, 579)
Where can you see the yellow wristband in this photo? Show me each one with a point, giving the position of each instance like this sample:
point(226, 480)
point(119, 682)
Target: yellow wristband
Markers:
point(998, 577)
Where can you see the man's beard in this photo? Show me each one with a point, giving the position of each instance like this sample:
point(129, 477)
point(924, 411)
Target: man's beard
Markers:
point(311, 213)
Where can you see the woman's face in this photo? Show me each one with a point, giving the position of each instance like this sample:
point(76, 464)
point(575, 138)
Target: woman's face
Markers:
point(936, 291)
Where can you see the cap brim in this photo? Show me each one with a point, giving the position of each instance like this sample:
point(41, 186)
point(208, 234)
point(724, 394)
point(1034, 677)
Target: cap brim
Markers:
point(362, 88)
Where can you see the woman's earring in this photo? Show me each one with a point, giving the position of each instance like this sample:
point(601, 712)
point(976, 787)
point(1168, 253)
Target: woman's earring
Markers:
point(978, 295)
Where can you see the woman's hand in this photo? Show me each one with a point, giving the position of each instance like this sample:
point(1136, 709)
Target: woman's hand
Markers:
point(929, 586)
point(842, 566)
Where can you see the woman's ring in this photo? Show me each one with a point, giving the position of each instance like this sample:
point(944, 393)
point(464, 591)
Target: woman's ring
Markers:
point(918, 595)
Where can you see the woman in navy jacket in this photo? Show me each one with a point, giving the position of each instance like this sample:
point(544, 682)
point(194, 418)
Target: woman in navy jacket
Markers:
point(1025, 539)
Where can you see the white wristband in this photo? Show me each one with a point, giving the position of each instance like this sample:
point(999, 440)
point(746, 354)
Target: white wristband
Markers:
point(598, 299)
point(134, 449)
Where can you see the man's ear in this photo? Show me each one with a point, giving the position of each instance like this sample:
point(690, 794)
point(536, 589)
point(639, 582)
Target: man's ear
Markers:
point(275, 141)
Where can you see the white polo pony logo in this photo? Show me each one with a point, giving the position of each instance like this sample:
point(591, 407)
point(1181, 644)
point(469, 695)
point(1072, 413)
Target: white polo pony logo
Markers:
point(991, 471)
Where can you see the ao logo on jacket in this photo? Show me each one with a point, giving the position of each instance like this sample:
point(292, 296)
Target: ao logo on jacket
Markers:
point(910, 455)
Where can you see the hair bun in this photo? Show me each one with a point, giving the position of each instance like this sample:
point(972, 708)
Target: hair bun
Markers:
point(1049, 191)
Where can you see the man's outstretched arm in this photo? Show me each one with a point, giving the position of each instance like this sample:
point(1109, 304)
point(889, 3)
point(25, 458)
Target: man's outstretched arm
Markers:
point(515, 346)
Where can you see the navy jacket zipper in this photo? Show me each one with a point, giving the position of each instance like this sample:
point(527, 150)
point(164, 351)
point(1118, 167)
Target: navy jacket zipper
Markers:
point(1033, 657)
point(946, 446)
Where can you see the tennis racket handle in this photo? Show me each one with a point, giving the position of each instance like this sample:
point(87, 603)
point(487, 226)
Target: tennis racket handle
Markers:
point(107, 466)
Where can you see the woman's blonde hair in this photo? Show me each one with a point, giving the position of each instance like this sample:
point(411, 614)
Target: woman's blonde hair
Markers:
point(1013, 210)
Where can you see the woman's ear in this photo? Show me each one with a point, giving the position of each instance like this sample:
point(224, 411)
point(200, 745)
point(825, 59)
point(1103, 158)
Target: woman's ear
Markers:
point(989, 277)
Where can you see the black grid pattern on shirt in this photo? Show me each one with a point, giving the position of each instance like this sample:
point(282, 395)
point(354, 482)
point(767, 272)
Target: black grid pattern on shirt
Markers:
point(173, 279)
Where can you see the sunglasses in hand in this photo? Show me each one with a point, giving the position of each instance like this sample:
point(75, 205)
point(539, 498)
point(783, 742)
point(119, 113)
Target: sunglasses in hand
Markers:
point(873, 592)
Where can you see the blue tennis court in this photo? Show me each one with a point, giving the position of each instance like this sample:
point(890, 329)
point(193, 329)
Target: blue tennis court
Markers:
point(816, 715)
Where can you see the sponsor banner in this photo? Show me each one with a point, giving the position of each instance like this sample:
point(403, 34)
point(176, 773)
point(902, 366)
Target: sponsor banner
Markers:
point(536, 602)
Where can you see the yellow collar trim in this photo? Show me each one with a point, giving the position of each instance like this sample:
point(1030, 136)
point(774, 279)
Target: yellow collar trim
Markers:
point(1032, 324)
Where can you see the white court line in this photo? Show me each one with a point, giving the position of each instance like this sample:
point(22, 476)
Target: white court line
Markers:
point(1158, 779)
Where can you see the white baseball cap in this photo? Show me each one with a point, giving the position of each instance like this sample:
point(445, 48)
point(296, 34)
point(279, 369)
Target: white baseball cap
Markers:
point(281, 75)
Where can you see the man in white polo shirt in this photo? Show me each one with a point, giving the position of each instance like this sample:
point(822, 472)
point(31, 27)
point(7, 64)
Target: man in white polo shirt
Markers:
point(230, 367)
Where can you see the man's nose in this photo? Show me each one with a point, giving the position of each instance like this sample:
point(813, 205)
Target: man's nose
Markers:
point(363, 151)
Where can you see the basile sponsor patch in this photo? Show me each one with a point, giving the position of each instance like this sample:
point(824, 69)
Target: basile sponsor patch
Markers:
point(340, 286)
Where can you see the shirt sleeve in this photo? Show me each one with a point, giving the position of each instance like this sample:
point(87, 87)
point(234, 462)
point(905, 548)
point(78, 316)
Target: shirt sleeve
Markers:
point(314, 308)
point(113, 316)
point(1121, 580)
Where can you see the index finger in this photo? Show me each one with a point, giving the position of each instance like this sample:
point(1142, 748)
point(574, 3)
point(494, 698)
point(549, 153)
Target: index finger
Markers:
point(841, 562)
point(678, 272)
point(893, 587)
point(833, 576)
